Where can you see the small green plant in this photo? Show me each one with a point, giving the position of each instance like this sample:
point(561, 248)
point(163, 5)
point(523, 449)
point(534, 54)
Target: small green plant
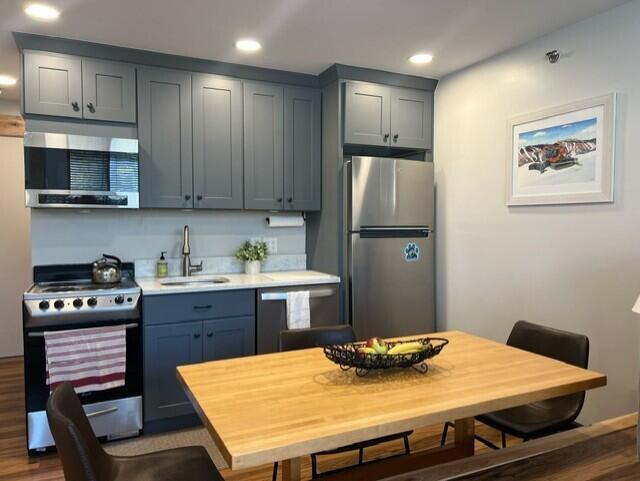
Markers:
point(252, 252)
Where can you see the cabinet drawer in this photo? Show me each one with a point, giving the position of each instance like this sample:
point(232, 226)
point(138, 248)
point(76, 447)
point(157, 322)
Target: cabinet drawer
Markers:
point(170, 308)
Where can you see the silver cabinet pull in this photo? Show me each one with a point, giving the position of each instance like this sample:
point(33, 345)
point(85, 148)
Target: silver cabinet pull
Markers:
point(103, 412)
point(282, 296)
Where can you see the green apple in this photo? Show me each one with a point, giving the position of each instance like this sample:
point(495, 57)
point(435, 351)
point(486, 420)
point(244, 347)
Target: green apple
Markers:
point(377, 345)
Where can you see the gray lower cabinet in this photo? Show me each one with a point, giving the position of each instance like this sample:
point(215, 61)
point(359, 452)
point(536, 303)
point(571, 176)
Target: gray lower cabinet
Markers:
point(165, 140)
point(378, 115)
point(108, 91)
point(217, 142)
point(367, 114)
point(263, 146)
point(165, 347)
point(184, 329)
point(52, 84)
point(302, 150)
point(228, 338)
point(411, 118)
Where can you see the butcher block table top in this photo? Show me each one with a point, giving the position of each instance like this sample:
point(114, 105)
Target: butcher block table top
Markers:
point(282, 406)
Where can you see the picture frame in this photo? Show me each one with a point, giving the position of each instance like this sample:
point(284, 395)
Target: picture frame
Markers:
point(562, 155)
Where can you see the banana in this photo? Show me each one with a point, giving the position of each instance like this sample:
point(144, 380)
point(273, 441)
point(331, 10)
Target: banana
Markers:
point(406, 348)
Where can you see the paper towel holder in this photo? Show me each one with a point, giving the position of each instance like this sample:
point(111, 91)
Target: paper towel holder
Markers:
point(291, 221)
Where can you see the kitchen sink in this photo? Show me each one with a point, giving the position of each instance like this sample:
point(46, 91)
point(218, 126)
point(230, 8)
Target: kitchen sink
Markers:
point(196, 282)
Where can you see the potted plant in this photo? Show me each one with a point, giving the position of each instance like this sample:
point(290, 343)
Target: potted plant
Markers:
point(252, 255)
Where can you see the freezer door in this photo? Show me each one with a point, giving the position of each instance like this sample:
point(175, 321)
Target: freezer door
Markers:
point(390, 192)
point(391, 285)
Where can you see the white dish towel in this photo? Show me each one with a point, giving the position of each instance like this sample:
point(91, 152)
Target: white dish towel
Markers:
point(298, 311)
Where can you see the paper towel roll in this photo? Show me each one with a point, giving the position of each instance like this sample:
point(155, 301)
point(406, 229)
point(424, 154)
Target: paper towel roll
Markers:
point(285, 221)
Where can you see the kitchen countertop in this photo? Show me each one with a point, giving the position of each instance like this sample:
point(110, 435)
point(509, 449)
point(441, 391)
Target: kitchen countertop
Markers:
point(155, 286)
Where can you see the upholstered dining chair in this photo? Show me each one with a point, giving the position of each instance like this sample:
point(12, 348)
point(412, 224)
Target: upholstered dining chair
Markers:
point(293, 339)
point(83, 458)
point(550, 415)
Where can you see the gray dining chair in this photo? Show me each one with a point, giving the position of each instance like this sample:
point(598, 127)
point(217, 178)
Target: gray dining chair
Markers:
point(545, 417)
point(293, 339)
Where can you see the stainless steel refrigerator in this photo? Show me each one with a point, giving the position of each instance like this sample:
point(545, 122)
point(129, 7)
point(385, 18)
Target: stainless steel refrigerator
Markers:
point(390, 250)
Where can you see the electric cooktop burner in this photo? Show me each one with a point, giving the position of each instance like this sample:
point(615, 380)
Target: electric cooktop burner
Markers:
point(80, 285)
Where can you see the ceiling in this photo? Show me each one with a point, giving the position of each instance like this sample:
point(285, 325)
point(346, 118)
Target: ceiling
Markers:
point(304, 35)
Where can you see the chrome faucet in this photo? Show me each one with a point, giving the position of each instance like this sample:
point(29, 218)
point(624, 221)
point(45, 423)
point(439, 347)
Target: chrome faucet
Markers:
point(187, 267)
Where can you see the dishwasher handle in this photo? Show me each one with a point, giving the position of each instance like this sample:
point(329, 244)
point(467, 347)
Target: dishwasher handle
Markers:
point(282, 296)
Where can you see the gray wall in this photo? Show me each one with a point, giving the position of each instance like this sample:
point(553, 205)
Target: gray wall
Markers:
point(61, 236)
point(572, 267)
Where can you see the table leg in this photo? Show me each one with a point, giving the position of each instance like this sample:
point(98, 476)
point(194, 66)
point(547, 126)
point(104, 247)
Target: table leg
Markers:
point(291, 470)
point(464, 435)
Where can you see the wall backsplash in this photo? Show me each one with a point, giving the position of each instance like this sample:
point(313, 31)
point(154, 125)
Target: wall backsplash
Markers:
point(69, 236)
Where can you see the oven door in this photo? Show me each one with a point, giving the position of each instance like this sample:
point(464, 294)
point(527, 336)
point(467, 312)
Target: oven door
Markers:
point(113, 413)
point(79, 171)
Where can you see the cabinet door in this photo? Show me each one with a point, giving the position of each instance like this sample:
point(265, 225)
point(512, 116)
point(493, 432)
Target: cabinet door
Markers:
point(164, 134)
point(108, 91)
point(411, 118)
point(228, 338)
point(165, 348)
point(302, 160)
point(52, 85)
point(217, 142)
point(263, 146)
point(367, 114)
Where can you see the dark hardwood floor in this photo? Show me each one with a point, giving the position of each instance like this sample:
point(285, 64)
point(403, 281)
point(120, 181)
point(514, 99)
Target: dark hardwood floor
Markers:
point(15, 465)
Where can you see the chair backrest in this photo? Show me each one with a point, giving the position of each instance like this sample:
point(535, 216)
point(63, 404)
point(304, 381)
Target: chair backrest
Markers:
point(83, 459)
point(554, 343)
point(293, 339)
point(560, 345)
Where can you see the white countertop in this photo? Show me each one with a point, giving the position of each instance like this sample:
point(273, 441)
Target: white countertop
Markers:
point(155, 286)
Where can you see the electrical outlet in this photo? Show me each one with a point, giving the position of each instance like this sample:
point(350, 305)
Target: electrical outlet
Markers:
point(272, 244)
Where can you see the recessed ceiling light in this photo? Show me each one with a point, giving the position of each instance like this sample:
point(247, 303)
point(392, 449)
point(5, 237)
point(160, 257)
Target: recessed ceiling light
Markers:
point(421, 58)
point(41, 11)
point(248, 45)
point(7, 81)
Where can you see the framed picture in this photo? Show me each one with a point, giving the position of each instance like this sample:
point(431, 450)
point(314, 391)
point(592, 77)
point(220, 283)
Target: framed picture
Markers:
point(562, 155)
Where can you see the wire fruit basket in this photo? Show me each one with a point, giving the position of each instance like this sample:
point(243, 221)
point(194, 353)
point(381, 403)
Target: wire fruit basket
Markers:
point(349, 356)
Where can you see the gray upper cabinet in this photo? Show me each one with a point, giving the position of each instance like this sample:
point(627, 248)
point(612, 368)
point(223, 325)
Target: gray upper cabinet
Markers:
point(263, 146)
point(108, 91)
point(367, 114)
point(302, 138)
point(217, 142)
point(52, 84)
point(383, 116)
point(164, 134)
point(411, 118)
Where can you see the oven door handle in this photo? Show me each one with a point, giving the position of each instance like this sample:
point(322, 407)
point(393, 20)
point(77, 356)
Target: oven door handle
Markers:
point(103, 412)
point(41, 333)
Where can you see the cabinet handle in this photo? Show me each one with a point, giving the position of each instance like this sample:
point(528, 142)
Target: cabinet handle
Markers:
point(209, 334)
point(199, 197)
point(290, 199)
point(187, 197)
point(395, 138)
point(75, 106)
point(202, 308)
point(385, 138)
point(197, 335)
point(90, 107)
point(279, 199)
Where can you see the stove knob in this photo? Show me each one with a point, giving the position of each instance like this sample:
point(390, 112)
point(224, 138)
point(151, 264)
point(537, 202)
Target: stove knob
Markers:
point(119, 299)
point(77, 303)
point(59, 304)
point(44, 305)
point(92, 302)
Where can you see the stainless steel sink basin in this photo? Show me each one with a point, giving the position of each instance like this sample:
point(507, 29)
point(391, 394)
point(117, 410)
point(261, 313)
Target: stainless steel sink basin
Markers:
point(196, 282)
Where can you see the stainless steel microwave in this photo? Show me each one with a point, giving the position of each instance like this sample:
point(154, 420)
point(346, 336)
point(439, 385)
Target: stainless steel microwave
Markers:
point(79, 171)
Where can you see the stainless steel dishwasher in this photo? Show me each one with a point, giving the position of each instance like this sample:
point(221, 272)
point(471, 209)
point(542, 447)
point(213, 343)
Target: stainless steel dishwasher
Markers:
point(272, 311)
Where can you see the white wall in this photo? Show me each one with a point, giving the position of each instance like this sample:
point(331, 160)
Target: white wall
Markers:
point(572, 267)
point(15, 243)
point(69, 236)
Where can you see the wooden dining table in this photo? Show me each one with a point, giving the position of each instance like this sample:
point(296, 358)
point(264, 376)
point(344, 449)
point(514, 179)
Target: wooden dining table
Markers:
point(285, 406)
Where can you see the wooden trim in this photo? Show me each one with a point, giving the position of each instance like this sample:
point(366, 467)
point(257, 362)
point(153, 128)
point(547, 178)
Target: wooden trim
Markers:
point(11, 126)
point(536, 447)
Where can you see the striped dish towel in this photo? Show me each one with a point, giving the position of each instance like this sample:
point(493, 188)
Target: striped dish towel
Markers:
point(92, 359)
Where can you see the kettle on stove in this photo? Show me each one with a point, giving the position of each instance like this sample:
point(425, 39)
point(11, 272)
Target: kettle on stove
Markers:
point(107, 270)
